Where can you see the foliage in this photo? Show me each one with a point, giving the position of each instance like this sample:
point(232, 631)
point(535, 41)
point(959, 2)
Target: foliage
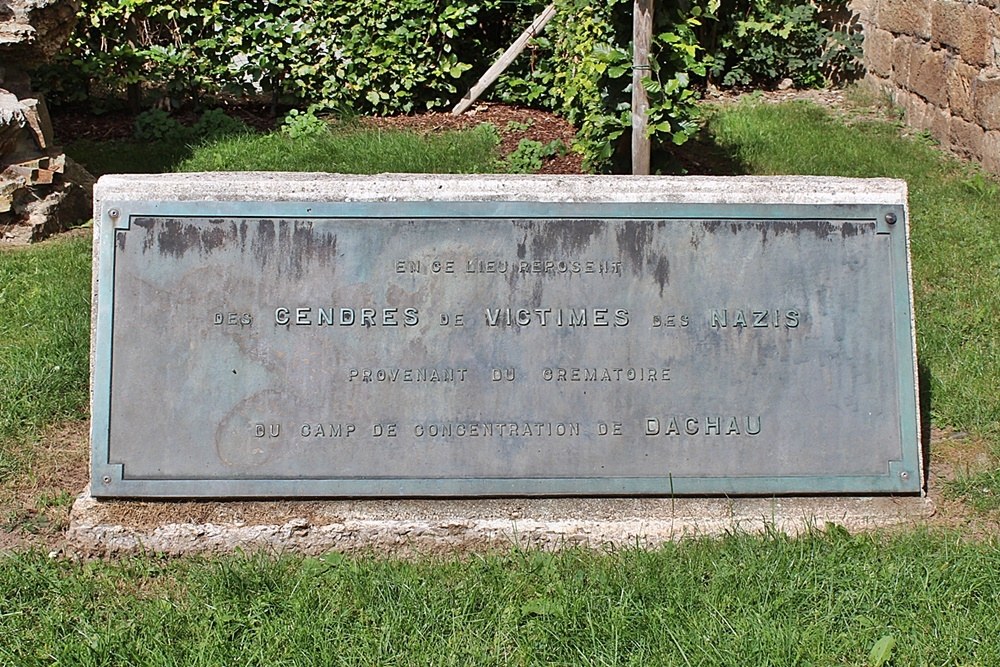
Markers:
point(157, 125)
point(380, 56)
point(761, 42)
point(582, 69)
point(215, 124)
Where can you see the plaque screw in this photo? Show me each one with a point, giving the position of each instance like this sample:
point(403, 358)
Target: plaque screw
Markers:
point(904, 475)
point(113, 213)
point(890, 218)
point(106, 479)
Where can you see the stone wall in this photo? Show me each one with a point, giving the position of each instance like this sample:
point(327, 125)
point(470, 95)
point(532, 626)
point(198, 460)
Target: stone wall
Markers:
point(940, 62)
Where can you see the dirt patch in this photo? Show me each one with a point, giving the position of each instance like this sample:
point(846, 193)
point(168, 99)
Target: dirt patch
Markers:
point(955, 455)
point(35, 504)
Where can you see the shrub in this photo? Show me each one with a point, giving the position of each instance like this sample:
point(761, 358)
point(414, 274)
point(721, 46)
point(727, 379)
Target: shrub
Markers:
point(379, 56)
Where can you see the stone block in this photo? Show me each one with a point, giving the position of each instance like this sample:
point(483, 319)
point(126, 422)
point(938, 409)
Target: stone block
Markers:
point(960, 78)
point(865, 9)
point(939, 124)
point(878, 51)
point(986, 100)
point(948, 22)
point(966, 138)
point(908, 17)
point(919, 114)
point(991, 151)
point(995, 32)
point(929, 74)
point(902, 50)
point(976, 44)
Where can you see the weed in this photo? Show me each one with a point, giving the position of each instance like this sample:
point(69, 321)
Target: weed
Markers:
point(518, 126)
point(530, 155)
point(158, 125)
point(298, 124)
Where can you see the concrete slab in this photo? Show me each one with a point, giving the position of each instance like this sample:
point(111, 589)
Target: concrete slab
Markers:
point(452, 527)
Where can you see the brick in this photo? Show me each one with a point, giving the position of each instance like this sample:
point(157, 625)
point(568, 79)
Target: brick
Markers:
point(908, 17)
point(929, 74)
point(966, 138)
point(878, 51)
point(976, 44)
point(948, 22)
point(986, 100)
point(960, 78)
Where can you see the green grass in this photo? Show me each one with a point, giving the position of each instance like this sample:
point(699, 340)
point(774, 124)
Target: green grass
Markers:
point(816, 600)
point(348, 150)
point(44, 342)
point(351, 151)
point(955, 230)
point(128, 156)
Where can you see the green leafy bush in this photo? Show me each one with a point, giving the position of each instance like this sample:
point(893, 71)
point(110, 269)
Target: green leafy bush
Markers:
point(379, 56)
point(761, 42)
point(582, 69)
point(216, 123)
point(158, 125)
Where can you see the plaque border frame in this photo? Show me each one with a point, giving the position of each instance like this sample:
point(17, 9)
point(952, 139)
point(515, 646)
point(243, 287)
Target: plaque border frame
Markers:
point(109, 480)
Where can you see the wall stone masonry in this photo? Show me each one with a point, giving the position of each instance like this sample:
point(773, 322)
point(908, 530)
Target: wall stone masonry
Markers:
point(939, 60)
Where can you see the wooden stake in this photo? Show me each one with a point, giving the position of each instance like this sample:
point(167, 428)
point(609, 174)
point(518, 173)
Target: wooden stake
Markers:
point(642, 35)
point(505, 60)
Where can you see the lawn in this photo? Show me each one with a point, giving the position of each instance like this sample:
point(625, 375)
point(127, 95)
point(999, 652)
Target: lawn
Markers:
point(925, 597)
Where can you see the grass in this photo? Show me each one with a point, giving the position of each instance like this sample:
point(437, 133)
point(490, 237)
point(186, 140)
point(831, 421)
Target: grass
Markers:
point(44, 342)
point(352, 151)
point(346, 149)
point(128, 156)
point(817, 600)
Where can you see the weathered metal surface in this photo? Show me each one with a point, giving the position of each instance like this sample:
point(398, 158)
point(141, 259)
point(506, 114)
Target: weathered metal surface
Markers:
point(504, 349)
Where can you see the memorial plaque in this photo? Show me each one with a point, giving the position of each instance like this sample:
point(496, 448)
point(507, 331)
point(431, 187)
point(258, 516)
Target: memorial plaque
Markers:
point(436, 336)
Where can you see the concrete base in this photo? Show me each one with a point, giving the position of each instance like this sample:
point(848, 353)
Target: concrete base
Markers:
point(435, 527)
